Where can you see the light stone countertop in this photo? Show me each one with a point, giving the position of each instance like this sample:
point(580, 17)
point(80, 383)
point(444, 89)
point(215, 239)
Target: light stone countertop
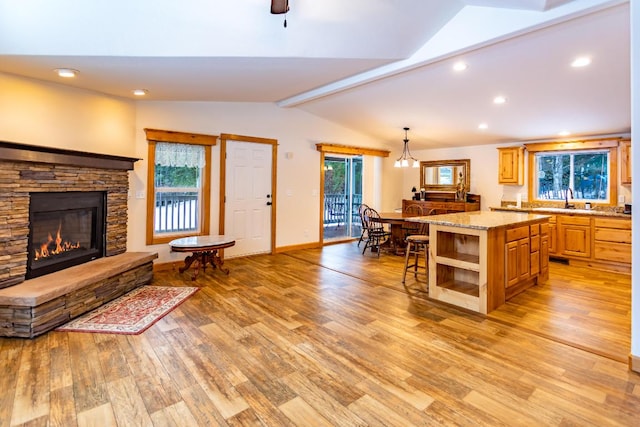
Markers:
point(481, 220)
point(563, 211)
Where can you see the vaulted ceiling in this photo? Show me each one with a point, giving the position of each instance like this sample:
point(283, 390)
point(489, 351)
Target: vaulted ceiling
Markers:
point(371, 65)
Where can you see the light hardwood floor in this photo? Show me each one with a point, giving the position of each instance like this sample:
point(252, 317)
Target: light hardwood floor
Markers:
point(329, 337)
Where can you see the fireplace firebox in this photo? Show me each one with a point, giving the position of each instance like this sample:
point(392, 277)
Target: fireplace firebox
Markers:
point(65, 229)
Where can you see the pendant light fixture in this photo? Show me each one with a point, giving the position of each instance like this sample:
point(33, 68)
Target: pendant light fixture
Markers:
point(403, 160)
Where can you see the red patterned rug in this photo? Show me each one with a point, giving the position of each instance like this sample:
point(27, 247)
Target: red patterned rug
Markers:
point(132, 313)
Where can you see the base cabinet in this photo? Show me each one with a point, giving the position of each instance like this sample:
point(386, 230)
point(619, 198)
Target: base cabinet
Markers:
point(479, 269)
point(612, 240)
point(574, 236)
point(595, 240)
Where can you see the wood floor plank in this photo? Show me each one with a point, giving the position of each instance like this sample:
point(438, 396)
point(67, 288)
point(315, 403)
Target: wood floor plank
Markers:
point(31, 399)
point(303, 414)
point(98, 416)
point(127, 402)
point(329, 337)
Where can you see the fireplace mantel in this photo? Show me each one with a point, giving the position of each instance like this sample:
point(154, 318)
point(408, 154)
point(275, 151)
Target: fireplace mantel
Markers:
point(39, 154)
point(25, 169)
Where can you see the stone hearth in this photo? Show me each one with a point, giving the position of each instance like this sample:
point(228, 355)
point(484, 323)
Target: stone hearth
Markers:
point(41, 304)
point(26, 169)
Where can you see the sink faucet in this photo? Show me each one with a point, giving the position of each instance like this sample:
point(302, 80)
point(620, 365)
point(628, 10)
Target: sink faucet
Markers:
point(567, 205)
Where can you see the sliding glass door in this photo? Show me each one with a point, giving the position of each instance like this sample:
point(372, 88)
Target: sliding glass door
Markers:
point(342, 196)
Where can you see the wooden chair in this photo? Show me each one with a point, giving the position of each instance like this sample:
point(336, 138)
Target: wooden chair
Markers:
point(361, 210)
point(417, 247)
point(411, 228)
point(376, 234)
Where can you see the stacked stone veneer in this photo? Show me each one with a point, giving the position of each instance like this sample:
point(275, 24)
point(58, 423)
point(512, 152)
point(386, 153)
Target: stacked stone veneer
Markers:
point(18, 179)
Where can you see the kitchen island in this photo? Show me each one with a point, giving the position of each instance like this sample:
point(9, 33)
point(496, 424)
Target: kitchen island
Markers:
point(478, 260)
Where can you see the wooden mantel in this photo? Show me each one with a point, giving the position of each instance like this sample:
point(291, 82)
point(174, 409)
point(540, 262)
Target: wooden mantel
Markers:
point(39, 154)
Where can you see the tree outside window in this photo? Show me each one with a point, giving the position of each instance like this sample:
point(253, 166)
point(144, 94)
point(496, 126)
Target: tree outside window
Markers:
point(585, 173)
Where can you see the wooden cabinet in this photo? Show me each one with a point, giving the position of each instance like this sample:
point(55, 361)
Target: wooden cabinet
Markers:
point(511, 165)
point(574, 236)
point(479, 260)
point(544, 251)
point(518, 255)
point(534, 246)
point(612, 240)
point(591, 239)
point(444, 206)
point(553, 236)
point(625, 161)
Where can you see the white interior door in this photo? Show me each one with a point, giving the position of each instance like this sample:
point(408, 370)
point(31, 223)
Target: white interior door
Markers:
point(248, 198)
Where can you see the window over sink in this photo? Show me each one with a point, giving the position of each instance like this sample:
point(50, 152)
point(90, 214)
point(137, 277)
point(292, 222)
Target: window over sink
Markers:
point(583, 171)
point(585, 174)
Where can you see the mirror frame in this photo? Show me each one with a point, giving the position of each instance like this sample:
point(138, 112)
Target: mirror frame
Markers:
point(466, 166)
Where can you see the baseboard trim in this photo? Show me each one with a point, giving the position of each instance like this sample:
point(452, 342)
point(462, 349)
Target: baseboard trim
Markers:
point(634, 363)
point(312, 245)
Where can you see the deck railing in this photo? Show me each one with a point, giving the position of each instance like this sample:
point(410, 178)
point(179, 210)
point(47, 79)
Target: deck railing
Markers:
point(336, 206)
point(176, 211)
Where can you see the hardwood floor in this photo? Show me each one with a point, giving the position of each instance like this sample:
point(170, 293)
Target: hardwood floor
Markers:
point(329, 337)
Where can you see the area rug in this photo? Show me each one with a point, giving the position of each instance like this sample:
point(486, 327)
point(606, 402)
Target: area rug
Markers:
point(132, 313)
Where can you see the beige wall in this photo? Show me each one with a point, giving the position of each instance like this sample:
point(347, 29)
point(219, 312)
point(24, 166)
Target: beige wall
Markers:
point(38, 113)
point(298, 178)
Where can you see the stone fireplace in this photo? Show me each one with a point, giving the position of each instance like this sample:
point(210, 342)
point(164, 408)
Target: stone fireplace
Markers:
point(50, 199)
point(65, 229)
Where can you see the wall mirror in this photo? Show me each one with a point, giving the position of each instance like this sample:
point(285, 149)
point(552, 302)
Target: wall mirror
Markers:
point(444, 175)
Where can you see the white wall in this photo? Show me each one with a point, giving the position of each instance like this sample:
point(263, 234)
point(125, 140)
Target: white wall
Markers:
point(46, 114)
point(298, 178)
point(484, 172)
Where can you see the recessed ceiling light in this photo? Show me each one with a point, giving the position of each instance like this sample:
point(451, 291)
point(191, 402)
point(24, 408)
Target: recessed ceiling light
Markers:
point(459, 66)
point(581, 61)
point(483, 126)
point(140, 92)
point(564, 133)
point(499, 99)
point(66, 72)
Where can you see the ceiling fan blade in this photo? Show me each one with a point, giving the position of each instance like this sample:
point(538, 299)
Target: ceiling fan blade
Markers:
point(279, 6)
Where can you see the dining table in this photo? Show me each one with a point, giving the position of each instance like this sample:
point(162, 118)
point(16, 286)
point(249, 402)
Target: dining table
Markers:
point(398, 226)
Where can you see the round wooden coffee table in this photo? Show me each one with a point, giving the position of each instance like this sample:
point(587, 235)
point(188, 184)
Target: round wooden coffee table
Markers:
point(204, 250)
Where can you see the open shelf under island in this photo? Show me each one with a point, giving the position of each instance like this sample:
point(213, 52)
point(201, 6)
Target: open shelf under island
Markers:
point(480, 259)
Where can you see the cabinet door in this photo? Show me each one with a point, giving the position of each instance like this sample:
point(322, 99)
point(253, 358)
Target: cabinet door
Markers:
point(534, 264)
point(574, 237)
point(625, 161)
point(511, 165)
point(544, 257)
point(512, 276)
point(553, 239)
point(517, 261)
point(524, 255)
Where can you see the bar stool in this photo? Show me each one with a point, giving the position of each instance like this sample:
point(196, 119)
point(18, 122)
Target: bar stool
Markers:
point(417, 247)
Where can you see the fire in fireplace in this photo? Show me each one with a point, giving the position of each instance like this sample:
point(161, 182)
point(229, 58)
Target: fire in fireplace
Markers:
point(65, 229)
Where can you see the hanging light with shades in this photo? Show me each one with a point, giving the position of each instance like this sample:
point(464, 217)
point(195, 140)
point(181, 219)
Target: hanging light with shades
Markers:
point(403, 160)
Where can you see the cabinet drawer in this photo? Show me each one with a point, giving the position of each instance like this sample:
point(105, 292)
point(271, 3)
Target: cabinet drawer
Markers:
point(618, 252)
point(612, 235)
point(544, 229)
point(517, 233)
point(575, 220)
point(620, 224)
point(535, 229)
point(535, 243)
point(535, 263)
